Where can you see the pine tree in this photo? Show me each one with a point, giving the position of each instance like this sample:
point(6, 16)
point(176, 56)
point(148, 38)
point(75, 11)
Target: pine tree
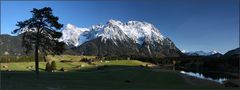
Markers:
point(40, 33)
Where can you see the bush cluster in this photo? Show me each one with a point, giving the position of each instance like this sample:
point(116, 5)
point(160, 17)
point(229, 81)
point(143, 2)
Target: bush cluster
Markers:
point(51, 67)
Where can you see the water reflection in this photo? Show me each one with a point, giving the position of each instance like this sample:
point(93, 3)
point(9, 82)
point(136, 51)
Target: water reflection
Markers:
point(201, 76)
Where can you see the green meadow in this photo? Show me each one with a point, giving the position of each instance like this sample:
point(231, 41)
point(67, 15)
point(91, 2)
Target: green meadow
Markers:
point(98, 75)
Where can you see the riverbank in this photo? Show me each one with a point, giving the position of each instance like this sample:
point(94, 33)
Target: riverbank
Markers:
point(200, 82)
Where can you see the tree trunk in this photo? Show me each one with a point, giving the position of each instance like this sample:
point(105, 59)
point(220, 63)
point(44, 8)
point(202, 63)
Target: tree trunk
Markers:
point(36, 56)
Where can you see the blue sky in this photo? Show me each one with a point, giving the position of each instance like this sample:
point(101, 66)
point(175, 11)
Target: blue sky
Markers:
point(191, 24)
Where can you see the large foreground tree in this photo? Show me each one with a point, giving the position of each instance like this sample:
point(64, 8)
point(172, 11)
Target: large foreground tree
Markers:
point(41, 33)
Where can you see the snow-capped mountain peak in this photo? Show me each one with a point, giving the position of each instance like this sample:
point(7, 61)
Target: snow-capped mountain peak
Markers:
point(138, 31)
point(200, 53)
point(72, 27)
point(72, 35)
point(213, 52)
point(183, 51)
point(114, 30)
point(114, 22)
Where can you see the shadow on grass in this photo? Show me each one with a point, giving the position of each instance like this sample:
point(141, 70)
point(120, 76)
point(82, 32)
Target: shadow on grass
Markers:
point(111, 69)
point(106, 77)
point(91, 78)
point(107, 68)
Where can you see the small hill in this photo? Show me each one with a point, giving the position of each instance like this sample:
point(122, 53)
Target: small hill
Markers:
point(233, 52)
point(10, 45)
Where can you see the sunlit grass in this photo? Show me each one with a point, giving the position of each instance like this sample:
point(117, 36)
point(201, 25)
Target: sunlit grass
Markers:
point(74, 64)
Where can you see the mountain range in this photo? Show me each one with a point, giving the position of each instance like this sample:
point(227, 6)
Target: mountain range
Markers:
point(11, 45)
point(115, 38)
point(201, 53)
point(233, 52)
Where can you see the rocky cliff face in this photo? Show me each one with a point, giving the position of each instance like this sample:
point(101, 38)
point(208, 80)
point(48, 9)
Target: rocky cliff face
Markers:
point(133, 38)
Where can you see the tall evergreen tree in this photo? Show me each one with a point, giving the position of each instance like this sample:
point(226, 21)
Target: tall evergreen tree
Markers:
point(40, 33)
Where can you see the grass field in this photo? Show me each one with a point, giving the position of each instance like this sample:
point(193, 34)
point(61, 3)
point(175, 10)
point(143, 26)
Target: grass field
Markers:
point(138, 79)
point(75, 64)
point(119, 74)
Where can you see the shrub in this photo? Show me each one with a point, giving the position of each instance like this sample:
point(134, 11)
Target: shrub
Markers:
point(62, 69)
point(84, 60)
point(48, 67)
point(53, 66)
point(65, 61)
point(87, 60)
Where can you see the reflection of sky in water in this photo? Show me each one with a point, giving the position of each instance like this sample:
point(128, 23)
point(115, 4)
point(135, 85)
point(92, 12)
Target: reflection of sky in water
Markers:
point(198, 75)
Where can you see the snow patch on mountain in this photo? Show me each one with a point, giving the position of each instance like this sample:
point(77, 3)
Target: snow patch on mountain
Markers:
point(183, 51)
point(114, 30)
point(73, 35)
